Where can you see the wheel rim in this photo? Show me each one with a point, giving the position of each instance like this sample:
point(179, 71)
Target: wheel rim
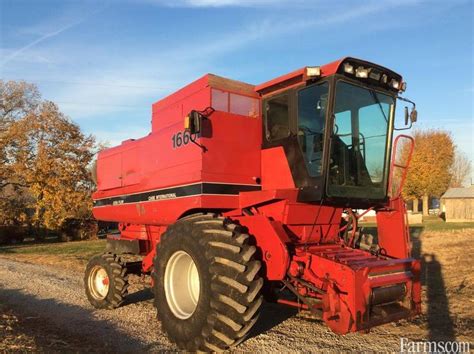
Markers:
point(182, 285)
point(99, 282)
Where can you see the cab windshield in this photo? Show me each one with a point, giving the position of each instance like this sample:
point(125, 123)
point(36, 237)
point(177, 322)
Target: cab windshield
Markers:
point(358, 153)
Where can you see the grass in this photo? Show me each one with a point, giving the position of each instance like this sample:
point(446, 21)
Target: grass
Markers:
point(72, 255)
point(433, 223)
point(81, 249)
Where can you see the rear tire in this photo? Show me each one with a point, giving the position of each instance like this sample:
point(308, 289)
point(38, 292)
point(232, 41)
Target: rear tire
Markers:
point(106, 281)
point(208, 261)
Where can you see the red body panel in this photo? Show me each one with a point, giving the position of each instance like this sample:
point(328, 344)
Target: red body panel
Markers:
point(156, 163)
point(149, 183)
point(394, 222)
point(297, 77)
point(276, 173)
point(273, 245)
point(347, 302)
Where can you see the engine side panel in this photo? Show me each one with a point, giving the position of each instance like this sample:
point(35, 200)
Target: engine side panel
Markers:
point(156, 179)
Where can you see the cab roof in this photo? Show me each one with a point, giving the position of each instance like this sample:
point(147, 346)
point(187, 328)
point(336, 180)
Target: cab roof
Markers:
point(291, 79)
point(298, 76)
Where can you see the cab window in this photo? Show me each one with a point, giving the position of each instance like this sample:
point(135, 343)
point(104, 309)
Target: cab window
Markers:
point(312, 107)
point(276, 116)
point(234, 103)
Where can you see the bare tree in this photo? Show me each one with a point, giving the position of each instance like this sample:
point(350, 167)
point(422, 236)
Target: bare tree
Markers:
point(460, 170)
point(17, 99)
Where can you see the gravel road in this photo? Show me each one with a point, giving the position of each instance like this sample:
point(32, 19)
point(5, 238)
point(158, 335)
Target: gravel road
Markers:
point(55, 298)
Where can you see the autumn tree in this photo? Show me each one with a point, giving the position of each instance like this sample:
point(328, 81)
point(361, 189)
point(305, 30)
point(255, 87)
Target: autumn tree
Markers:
point(46, 159)
point(17, 99)
point(460, 170)
point(430, 168)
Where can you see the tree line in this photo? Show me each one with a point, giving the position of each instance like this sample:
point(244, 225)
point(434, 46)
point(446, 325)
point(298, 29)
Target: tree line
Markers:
point(436, 165)
point(45, 160)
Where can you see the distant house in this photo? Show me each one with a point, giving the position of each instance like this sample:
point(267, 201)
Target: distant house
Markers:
point(458, 204)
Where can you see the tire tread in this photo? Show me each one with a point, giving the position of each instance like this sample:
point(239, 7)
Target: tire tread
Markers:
point(235, 283)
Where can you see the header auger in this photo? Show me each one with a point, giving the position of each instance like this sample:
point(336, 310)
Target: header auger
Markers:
point(255, 193)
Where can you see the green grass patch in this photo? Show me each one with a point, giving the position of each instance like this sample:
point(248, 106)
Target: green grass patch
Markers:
point(82, 250)
point(432, 223)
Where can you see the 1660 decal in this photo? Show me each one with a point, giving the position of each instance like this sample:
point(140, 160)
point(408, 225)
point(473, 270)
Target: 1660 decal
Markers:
point(183, 138)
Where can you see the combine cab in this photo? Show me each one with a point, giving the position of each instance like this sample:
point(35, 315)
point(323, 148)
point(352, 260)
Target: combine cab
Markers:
point(255, 193)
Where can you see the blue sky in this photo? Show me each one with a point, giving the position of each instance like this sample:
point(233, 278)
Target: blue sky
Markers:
point(106, 62)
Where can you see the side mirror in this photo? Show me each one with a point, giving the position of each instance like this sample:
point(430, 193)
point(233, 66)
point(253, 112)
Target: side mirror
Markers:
point(410, 116)
point(193, 122)
point(413, 115)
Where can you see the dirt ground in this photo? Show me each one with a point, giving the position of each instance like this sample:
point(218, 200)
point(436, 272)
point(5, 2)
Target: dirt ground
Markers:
point(43, 308)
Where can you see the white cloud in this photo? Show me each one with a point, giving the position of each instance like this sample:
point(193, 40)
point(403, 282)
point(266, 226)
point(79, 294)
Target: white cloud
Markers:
point(114, 138)
point(113, 86)
point(124, 87)
point(229, 3)
point(102, 97)
point(47, 30)
point(37, 57)
point(276, 4)
point(17, 52)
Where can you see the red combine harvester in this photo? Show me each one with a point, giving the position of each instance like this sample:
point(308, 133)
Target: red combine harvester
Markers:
point(257, 196)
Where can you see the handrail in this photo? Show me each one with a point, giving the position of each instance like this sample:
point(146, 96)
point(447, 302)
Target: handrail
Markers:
point(393, 164)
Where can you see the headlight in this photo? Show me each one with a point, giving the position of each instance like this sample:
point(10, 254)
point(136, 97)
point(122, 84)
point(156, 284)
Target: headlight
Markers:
point(374, 75)
point(395, 84)
point(348, 68)
point(403, 86)
point(312, 71)
point(362, 72)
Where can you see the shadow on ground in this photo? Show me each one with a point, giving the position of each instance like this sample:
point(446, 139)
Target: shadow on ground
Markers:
point(440, 323)
point(73, 325)
point(271, 316)
point(138, 296)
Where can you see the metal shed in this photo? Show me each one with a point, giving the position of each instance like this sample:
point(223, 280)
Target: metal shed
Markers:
point(458, 204)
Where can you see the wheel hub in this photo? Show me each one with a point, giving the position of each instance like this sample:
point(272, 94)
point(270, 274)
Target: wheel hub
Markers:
point(99, 283)
point(182, 285)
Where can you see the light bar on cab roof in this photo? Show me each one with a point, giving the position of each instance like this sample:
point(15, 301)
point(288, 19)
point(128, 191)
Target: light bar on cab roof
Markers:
point(348, 68)
point(395, 84)
point(313, 71)
point(376, 74)
point(362, 72)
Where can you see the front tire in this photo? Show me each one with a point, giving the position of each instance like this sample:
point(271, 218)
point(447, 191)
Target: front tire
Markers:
point(206, 282)
point(106, 281)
